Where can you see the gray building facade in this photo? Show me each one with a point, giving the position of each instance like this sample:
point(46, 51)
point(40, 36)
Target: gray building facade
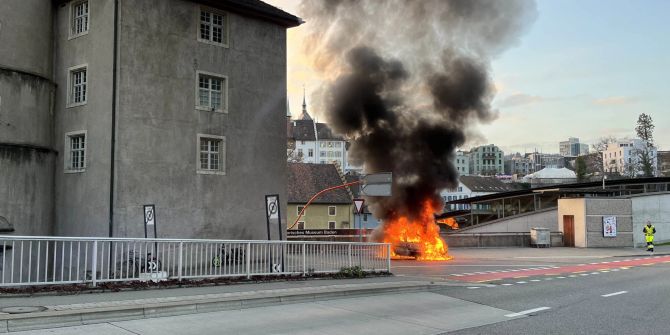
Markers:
point(175, 103)
point(486, 160)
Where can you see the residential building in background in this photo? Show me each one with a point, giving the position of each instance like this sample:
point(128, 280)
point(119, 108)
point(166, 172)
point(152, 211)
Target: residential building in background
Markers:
point(180, 111)
point(664, 163)
point(573, 148)
point(462, 163)
point(519, 165)
point(472, 186)
point(331, 210)
point(543, 160)
point(486, 160)
point(313, 142)
point(623, 157)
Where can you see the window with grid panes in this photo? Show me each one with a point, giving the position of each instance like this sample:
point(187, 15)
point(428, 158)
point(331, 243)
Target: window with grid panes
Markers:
point(301, 225)
point(211, 92)
point(79, 18)
point(78, 82)
point(210, 154)
point(213, 27)
point(331, 224)
point(77, 152)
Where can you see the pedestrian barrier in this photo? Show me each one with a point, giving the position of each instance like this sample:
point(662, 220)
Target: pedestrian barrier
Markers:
point(39, 260)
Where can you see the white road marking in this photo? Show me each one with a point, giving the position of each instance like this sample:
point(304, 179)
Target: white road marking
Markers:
point(548, 278)
point(614, 270)
point(457, 275)
point(572, 276)
point(560, 277)
point(605, 271)
point(613, 294)
point(472, 287)
point(583, 274)
point(522, 282)
point(507, 284)
point(522, 313)
point(535, 280)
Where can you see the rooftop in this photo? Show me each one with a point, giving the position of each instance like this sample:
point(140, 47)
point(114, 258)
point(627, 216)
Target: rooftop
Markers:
point(306, 180)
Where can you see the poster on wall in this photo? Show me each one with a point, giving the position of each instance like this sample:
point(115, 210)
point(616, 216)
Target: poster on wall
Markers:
point(609, 226)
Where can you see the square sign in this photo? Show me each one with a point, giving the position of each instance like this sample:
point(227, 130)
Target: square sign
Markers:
point(609, 226)
point(272, 206)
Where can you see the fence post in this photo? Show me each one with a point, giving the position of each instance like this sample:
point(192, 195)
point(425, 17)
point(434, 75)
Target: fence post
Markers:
point(180, 264)
point(350, 262)
point(388, 258)
point(304, 259)
point(248, 259)
point(94, 266)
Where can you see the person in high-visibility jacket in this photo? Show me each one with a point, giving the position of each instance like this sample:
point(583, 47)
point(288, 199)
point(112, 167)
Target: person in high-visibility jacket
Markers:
point(649, 230)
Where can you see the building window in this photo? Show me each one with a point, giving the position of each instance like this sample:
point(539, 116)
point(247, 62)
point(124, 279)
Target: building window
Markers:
point(78, 85)
point(331, 224)
point(75, 160)
point(301, 225)
point(212, 92)
point(331, 210)
point(310, 152)
point(299, 209)
point(213, 27)
point(211, 154)
point(80, 20)
point(365, 217)
point(299, 152)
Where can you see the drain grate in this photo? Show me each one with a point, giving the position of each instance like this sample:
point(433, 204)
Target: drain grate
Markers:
point(23, 309)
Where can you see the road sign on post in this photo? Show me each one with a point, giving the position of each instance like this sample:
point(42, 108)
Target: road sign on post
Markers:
point(150, 221)
point(358, 203)
point(377, 184)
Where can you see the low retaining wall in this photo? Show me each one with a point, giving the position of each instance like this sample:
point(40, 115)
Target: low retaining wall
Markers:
point(490, 240)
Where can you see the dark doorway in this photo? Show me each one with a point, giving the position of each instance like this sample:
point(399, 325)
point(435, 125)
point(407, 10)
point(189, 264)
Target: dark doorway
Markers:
point(569, 230)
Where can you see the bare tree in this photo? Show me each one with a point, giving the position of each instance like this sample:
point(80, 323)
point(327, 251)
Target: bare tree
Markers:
point(595, 163)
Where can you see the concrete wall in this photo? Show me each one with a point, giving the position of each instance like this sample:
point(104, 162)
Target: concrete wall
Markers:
point(519, 223)
point(26, 155)
point(577, 208)
point(82, 199)
point(655, 208)
point(316, 216)
point(158, 123)
point(596, 209)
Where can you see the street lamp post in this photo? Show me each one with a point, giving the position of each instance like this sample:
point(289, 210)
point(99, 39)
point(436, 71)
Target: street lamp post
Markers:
point(604, 177)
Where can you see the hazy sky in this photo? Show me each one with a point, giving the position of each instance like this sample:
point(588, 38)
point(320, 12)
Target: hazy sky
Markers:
point(585, 68)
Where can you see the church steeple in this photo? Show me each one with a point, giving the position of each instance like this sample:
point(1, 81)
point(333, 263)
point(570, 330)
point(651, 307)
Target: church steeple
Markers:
point(304, 115)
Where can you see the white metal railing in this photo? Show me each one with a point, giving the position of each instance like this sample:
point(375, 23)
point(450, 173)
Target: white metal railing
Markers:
point(38, 260)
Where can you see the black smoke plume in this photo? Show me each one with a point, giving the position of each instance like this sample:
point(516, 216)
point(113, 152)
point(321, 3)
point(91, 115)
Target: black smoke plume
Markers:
point(407, 83)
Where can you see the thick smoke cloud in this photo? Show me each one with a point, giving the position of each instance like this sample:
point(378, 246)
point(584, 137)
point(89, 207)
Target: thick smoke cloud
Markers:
point(408, 81)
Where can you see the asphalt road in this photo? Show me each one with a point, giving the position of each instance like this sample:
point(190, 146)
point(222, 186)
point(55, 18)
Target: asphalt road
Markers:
point(486, 292)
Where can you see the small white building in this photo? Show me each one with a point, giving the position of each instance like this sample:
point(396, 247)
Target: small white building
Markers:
point(472, 186)
point(624, 157)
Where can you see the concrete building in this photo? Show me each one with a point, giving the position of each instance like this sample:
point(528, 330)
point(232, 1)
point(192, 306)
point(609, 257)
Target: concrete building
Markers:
point(332, 210)
point(573, 148)
point(486, 160)
point(543, 160)
point(462, 163)
point(623, 157)
point(109, 105)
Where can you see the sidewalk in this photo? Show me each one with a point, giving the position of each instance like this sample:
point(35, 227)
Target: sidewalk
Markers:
point(556, 253)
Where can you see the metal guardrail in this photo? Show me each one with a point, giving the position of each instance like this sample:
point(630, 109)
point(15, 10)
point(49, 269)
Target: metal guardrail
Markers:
point(37, 260)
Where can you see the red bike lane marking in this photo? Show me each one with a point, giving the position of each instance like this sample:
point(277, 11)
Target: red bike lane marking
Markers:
point(561, 270)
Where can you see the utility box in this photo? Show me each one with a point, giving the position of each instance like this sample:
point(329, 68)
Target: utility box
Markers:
point(540, 237)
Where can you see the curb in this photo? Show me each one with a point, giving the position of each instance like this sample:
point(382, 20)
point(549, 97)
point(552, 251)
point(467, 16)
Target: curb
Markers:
point(200, 304)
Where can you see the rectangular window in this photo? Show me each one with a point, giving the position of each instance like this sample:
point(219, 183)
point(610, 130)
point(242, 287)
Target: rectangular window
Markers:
point(78, 85)
point(75, 160)
point(331, 224)
point(331, 210)
point(299, 152)
point(211, 154)
point(213, 27)
point(298, 209)
point(80, 19)
point(322, 154)
point(310, 152)
point(301, 225)
point(212, 92)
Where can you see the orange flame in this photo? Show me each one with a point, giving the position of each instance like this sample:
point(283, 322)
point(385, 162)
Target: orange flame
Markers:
point(418, 238)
